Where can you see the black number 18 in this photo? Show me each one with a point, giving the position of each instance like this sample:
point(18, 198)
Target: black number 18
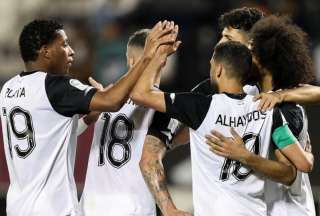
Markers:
point(116, 139)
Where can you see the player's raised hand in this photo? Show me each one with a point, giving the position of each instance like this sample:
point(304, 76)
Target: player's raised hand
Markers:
point(169, 49)
point(232, 148)
point(157, 37)
point(268, 100)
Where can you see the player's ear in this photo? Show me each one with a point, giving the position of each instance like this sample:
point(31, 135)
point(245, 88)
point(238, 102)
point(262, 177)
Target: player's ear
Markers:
point(130, 62)
point(219, 70)
point(44, 51)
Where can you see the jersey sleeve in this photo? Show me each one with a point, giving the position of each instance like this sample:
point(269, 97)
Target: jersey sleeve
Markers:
point(164, 128)
point(68, 96)
point(287, 125)
point(188, 108)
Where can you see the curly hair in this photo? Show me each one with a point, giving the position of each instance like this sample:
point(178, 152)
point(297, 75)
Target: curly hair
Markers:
point(36, 34)
point(282, 48)
point(240, 18)
point(138, 38)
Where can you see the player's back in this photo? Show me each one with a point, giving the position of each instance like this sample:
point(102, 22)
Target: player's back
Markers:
point(114, 184)
point(39, 145)
point(222, 186)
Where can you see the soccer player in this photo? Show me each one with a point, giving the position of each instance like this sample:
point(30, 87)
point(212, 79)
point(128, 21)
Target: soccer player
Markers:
point(276, 43)
point(39, 110)
point(218, 181)
point(114, 184)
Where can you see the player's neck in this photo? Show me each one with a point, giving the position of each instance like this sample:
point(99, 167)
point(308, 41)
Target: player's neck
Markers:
point(231, 86)
point(266, 83)
point(36, 66)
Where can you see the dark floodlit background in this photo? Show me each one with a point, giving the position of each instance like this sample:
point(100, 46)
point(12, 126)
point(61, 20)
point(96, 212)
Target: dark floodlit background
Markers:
point(98, 32)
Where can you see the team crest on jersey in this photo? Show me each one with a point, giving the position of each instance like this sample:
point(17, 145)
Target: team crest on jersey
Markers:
point(77, 84)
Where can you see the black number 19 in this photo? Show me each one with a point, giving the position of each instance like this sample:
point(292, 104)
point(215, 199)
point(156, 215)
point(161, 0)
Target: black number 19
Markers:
point(27, 133)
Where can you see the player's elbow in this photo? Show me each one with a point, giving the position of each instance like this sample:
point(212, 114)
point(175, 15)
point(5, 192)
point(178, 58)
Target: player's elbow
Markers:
point(138, 97)
point(305, 166)
point(107, 102)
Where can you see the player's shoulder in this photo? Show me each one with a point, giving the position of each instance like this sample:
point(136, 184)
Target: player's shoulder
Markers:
point(59, 83)
point(291, 114)
point(291, 111)
point(10, 82)
point(289, 107)
point(252, 88)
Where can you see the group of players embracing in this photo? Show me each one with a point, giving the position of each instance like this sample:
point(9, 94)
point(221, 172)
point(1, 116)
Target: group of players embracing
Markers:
point(250, 148)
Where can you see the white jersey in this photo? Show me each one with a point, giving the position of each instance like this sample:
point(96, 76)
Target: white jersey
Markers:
point(39, 130)
point(296, 199)
point(222, 186)
point(114, 184)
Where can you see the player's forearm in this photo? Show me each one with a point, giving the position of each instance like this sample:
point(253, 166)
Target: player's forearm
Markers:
point(181, 138)
point(143, 93)
point(305, 94)
point(274, 170)
point(154, 174)
point(112, 99)
point(298, 157)
point(121, 89)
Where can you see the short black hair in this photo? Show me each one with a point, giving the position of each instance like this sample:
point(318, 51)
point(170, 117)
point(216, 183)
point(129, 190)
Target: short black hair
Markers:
point(138, 38)
point(235, 57)
point(282, 48)
point(241, 18)
point(36, 34)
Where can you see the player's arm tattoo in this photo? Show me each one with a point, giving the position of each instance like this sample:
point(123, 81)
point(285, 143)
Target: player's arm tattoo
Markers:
point(153, 172)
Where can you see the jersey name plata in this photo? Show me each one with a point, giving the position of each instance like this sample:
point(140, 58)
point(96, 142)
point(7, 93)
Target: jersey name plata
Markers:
point(15, 93)
point(236, 121)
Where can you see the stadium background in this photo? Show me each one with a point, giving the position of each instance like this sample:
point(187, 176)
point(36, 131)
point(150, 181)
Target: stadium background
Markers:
point(98, 31)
